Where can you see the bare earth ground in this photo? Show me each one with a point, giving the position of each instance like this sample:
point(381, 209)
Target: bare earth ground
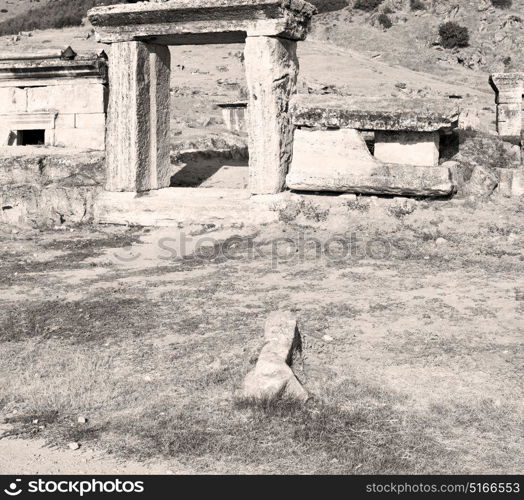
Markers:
point(413, 344)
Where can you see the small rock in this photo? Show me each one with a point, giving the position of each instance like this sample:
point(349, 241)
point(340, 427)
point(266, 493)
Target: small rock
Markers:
point(82, 420)
point(328, 338)
point(35, 421)
point(73, 446)
point(441, 242)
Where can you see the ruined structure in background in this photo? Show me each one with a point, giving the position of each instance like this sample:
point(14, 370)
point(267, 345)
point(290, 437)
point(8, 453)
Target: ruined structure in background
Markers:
point(56, 99)
point(509, 88)
point(234, 116)
point(404, 135)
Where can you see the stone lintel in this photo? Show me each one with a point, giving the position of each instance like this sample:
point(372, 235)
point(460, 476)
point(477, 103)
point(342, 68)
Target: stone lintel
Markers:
point(23, 71)
point(29, 121)
point(180, 22)
point(416, 115)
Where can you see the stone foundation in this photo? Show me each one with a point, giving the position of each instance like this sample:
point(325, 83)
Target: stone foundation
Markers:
point(49, 186)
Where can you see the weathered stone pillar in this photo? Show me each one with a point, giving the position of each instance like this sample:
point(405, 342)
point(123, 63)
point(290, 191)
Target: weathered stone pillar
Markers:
point(509, 88)
point(271, 72)
point(138, 139)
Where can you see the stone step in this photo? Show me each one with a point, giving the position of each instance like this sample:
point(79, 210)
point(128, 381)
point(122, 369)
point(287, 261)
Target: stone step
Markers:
point(181, 206)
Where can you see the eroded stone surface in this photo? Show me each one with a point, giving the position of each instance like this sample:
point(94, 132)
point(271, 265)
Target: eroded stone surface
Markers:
point(417, 115)
point(138, 117)
point(509, 88)
point(339, 161)
point(272, 378)
point(408, 148)
point(271, 73)
point(49, 186)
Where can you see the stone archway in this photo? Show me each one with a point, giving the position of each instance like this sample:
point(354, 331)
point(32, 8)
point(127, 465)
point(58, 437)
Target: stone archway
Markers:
point(139, 34)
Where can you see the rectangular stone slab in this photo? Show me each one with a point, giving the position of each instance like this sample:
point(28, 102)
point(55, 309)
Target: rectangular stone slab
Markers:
point(417, 115)
point(338, 161)
point(408, 148)
point(193, 21)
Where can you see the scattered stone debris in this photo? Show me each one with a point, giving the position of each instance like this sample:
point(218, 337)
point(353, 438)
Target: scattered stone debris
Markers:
point(272, 378)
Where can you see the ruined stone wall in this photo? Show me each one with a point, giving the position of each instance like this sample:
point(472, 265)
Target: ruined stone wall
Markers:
point(47, 187)
point(73, 115)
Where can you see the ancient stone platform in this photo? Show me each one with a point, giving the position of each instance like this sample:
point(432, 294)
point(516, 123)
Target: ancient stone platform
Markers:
point(177, 206)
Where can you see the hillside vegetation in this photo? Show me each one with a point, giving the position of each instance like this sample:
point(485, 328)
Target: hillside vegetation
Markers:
point(45, 14)
point(482, 35)
point(488, 35)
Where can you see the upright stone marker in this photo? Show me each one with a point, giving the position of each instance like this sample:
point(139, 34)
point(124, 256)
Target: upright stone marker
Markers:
point(509, 88)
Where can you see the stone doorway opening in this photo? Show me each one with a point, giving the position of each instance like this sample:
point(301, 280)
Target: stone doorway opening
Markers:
point(209, 141)
point(30, 137)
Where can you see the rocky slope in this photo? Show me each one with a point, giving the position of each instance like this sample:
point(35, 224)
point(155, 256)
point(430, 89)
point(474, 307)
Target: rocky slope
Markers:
point(496, 33)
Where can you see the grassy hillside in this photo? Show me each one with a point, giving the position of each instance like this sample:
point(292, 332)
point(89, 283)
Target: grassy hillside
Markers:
point(410, 36)
point(28, 15)
point(399, 32)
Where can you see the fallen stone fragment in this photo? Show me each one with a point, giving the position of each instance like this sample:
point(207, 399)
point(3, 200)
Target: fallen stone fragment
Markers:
point(272, 378)
point(482, 182)
point(73, 446)
point(82, 420)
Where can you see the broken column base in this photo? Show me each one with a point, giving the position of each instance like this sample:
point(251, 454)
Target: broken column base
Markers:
point(272, 378)
point(339, 161)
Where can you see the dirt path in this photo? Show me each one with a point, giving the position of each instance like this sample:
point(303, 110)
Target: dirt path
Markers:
point(20, 456)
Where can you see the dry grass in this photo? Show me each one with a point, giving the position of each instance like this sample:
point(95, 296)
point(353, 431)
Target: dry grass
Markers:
point(422, 375)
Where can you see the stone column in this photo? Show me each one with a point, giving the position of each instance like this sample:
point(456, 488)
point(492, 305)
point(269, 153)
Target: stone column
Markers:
point(271, 72)
point(138, 139)
point(509, 88)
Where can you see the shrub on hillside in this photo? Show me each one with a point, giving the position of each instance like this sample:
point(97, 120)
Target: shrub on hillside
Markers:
point(502, 4)
point(367, 5)
point(417, 5)
point(385, 21)
point(56, 14)
point(453, 35)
